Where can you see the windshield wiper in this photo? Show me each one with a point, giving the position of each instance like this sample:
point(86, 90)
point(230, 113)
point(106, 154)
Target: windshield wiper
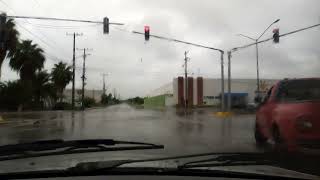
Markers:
point(237, 159)
point(113, 167)
point(220, 159)
point(59, 147)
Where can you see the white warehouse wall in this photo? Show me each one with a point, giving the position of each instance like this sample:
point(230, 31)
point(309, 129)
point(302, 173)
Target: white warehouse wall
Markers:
point(212, 88)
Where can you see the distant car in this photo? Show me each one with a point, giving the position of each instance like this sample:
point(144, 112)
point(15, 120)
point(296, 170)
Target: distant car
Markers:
point(252, 106)
point(289, 115)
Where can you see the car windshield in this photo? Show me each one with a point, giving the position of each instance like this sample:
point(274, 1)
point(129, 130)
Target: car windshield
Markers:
point(110, 80)
point(300, 90)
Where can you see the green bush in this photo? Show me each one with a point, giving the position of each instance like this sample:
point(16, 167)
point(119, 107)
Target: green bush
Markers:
point(136, 100)
point(89, 102)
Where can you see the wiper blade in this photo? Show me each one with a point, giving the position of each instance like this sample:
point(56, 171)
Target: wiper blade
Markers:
point(236, 159)
point(221, 159)
point(59, 147)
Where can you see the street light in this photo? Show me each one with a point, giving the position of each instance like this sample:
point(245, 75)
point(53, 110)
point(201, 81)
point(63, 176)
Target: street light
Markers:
point(258, 98)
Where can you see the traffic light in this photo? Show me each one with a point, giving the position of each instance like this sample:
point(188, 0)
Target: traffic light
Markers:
point(276, 36)
point(3, 19)
point(105, 25)
point(146, 33)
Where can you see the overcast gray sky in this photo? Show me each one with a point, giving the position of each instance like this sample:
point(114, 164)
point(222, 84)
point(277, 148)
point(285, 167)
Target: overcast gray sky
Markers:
point(209, 22)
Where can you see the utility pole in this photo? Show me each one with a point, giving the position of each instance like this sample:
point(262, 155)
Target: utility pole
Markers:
point(114, 93)
point(73, 66)
point(186, 78)
point(196, 45)
point(83, 77)
point(104, 83)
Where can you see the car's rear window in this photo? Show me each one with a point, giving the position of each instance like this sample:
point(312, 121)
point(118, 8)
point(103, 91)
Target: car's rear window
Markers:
point(300, 90)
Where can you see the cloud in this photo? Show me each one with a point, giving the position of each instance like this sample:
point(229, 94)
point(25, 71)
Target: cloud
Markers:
point(209, 22)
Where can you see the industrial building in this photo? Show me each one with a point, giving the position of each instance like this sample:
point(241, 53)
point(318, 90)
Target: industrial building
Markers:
point(95, 94)
point(207, 91)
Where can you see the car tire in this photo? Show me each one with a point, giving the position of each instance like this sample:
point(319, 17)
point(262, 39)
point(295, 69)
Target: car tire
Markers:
point(259, 137)
point(278, 142)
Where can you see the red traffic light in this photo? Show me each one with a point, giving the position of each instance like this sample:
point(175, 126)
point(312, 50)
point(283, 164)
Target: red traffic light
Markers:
point(146, 28)
point(146, 33)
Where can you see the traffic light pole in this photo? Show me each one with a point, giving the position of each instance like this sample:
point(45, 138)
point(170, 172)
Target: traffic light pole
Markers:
point(229, 81)
point(186, 79)
point(256, 45)
point(258, 75)
point(222, 84)
point(201, 46)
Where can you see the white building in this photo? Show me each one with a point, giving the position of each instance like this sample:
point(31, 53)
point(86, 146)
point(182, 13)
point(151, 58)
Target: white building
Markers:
point(207, 91)
point(95, 94)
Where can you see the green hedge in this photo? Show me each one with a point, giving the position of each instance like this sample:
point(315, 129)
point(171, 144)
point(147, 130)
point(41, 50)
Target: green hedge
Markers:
point(156, 101)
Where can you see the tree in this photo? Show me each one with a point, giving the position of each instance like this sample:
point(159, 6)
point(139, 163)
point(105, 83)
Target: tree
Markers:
point(26, 60)
point(11, 41)
point(61, 76)
point(43, 88)
point(13, 95)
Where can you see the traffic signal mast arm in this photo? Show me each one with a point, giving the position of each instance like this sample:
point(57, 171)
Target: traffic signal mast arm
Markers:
point(61, 19)
point(147, 35)
point(179, 41)
point(268, 39)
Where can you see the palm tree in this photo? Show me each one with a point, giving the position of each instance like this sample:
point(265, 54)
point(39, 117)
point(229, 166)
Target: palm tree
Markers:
point(43, 88)
point(26, 60)
point(11, 41)
point(61, 75)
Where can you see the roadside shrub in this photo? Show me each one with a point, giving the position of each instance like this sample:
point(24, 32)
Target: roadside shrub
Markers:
point(89, 102)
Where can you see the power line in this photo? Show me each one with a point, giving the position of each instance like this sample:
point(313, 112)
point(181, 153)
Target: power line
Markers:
point(26, 28)
point(60, 27)
point(48, 39)
point(43, 41)
point(35, 36)
point(52, 41)
point(52, 56)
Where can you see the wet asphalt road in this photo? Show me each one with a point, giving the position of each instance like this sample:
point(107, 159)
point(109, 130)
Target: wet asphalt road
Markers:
point(197, 132)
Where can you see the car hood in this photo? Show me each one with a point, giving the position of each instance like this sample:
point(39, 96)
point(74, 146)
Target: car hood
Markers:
point(67, 161)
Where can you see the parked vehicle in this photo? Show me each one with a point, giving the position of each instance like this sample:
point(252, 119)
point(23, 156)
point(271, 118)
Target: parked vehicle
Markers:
point(289, 115)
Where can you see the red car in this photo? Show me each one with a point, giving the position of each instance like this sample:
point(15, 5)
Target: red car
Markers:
point(289, 115)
